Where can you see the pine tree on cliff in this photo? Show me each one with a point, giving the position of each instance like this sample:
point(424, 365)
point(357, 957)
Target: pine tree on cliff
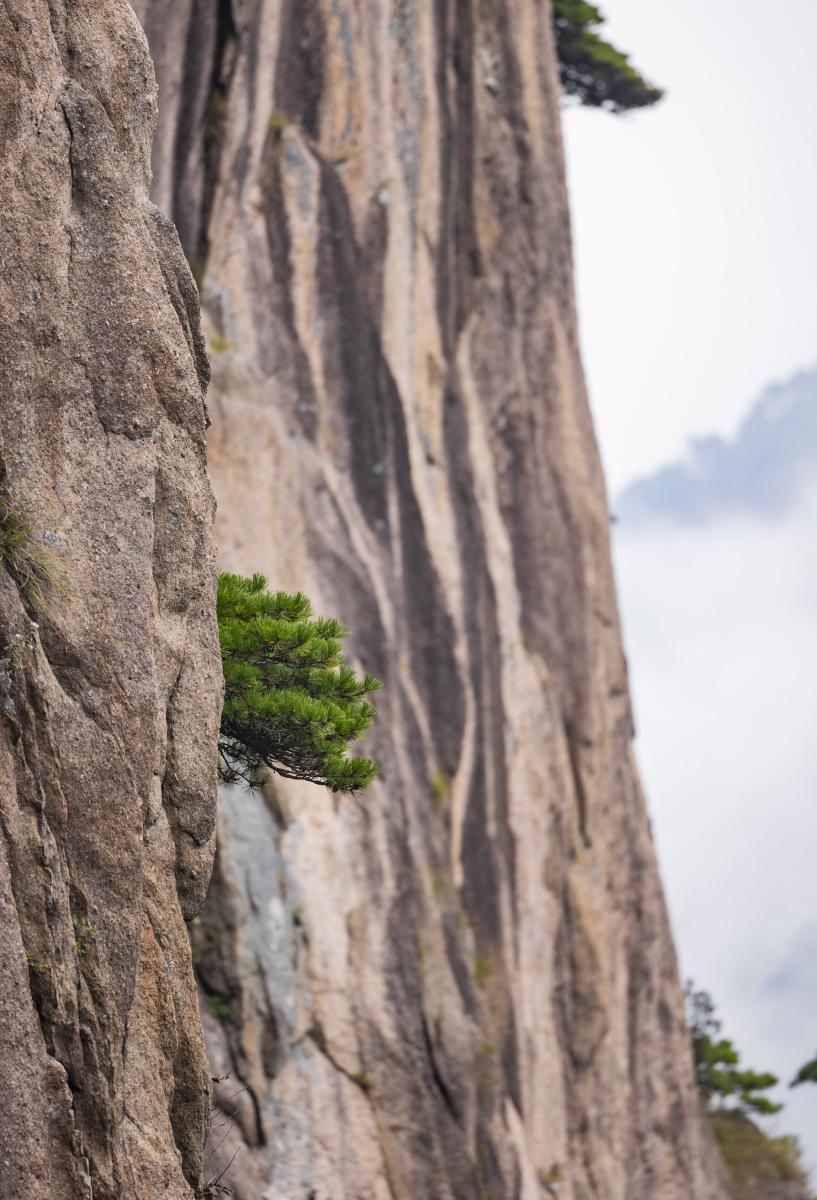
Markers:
point(721, 1080)
point(806, 1074)
point(291, 703)
point(592, 70)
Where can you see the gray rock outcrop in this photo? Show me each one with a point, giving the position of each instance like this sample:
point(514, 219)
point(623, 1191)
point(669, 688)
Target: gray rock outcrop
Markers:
point(110, 695)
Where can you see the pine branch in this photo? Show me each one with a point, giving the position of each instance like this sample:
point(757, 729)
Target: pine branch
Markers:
point(291, 702)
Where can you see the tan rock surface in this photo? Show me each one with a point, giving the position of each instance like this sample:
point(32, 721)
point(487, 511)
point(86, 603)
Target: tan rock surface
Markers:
point(109, 702)
point(462, 985)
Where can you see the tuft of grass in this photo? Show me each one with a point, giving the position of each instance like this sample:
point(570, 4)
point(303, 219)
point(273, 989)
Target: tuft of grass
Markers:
point(440, 790)
point(32, 566)
point(363, 1081)
point(217, 1005)
point(219, 344)
point(483, 967)
point(85, 934)
point(205, 939)
point(213, 937)
point(755, 1161)
point(277, 122)
point(12, 656)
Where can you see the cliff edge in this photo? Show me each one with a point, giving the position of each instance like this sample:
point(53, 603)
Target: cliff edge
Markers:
point(109, 688)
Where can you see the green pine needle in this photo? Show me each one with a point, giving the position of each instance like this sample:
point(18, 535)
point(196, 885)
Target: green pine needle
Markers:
point(291, 702)
point(718, 1073)
point(592, 70)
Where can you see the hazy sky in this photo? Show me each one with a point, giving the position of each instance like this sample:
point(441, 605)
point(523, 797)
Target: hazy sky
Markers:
point(719, 620)
point(694, 222)
point(695, 229)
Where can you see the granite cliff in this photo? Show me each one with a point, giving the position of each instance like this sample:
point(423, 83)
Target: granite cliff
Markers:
point(464, 984)
point(109, 697)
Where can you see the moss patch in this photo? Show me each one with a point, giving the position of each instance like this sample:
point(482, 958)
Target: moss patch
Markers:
point(217, 1006)
point(277, 122)
point(440, 790)
point(484, 967)
point(85, 934)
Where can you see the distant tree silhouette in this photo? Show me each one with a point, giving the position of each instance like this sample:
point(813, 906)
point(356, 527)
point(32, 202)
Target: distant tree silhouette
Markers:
point(806, 1074)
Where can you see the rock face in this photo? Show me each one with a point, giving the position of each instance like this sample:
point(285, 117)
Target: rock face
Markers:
point(111, 695)
point(463, 984)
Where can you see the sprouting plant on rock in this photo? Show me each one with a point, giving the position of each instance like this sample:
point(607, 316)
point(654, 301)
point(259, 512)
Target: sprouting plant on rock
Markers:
point(32, 565)
point(85, 934)
point(291, 702)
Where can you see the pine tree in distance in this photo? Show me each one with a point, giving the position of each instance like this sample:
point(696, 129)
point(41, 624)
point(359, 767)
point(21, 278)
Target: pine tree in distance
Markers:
point(291, 703)
point(806, 1074)
point(592, 70)
point(719, 1076)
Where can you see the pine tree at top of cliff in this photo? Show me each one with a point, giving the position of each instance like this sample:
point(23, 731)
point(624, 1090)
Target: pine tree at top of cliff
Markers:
point(719, 1076)
point(291, 703)
point(592, 70)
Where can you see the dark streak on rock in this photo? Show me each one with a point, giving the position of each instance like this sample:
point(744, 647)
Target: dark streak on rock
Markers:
point(458, 261)
point(299, 83)
point(279, 247)
point(378, 448)
point(436, 1074)
point(574, 754)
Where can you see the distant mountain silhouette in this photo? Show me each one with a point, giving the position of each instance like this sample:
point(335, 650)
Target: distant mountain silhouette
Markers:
point(762, 470)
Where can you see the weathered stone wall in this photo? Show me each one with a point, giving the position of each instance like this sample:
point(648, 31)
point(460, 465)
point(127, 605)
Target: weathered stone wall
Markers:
point(109, 700)
point(462, 985)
